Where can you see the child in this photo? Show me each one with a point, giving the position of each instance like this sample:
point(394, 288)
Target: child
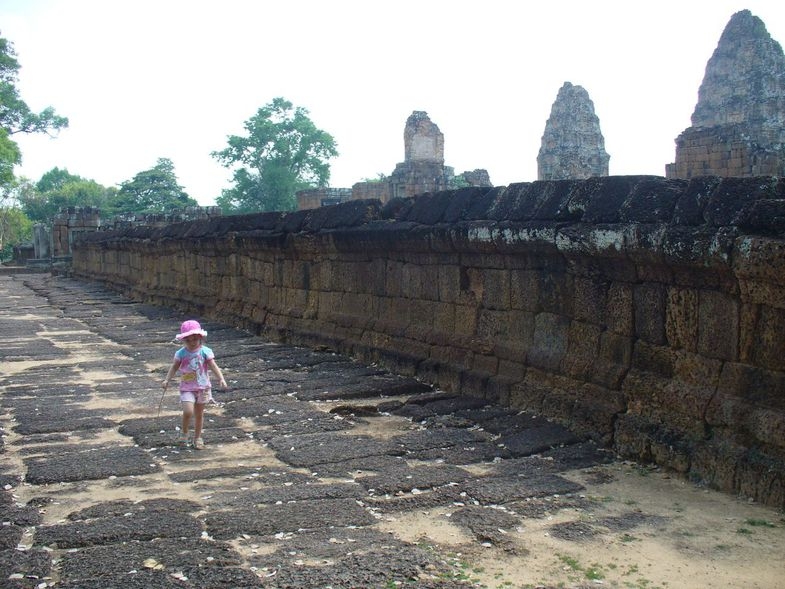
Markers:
point(192, 361)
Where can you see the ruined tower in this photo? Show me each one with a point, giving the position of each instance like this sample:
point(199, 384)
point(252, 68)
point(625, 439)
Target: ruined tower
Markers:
point(422, 139)
point(423, 168)
point(573, 147)
point(422, 171)
point(738, 126)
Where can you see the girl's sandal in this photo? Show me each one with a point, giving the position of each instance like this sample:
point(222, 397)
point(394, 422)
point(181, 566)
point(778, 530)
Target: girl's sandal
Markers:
point(199, 444)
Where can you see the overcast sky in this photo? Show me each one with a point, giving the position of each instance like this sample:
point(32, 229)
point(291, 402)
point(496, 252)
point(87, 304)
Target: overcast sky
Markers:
point(145, 79)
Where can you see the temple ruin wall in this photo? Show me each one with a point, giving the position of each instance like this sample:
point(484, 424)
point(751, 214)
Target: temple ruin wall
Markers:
point(645, 313)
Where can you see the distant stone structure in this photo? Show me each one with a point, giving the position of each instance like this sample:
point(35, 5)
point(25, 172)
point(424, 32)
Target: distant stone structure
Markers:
point(162, 219)
point(573, 147)
point(378, 189)
point(738, 126)
point(53, 243)
point(42, 241)
point(22, 252)
point(69, 224)
point(422, 140)
point(423, 168)
point(322, 197)
point(422, 171)
point(478, 177)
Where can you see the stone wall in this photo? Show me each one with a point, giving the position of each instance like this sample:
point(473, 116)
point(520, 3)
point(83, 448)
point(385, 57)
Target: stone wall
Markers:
point(379, 190)
point(730, 150)
point(68, 224)
point(646, 313)
point(321, 197)
point(177, 215)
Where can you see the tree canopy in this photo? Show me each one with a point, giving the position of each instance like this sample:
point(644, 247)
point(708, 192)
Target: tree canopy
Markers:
point(23, 202)
point(150, 191)
point(15, 227)
point(153, 191)
point(16, 116)
point(10, 156)
point(55, 179)
point(58, 189)
point(282, 152)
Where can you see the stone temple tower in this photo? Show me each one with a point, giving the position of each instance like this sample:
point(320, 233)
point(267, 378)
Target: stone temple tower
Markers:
point(738, 126)
point(423, 168)
point(422, 139)
point(573, 147)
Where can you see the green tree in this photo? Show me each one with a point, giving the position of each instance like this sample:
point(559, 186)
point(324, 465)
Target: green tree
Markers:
point(282, 152)
point(55, 179)
point(459, 181)
point(58, 189)
point(10, 156)
point(15, 228)
point(153, 191)
point(16, 116)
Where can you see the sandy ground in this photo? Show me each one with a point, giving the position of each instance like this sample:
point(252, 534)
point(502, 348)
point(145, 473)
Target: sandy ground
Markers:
point(700, 538)
point(705, 539)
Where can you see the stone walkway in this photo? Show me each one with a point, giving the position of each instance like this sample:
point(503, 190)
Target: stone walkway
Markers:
point(311, 459)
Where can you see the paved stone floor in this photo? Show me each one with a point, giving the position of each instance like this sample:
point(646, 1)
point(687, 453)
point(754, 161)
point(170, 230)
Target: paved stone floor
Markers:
point(311, 459)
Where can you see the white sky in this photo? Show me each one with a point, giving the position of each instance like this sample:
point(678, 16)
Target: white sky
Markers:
point(144, 79)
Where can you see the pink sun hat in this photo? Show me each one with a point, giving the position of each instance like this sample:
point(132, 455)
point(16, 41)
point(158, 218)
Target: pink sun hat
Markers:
point(190, 327)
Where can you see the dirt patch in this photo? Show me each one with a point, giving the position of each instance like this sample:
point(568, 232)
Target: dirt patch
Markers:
point(635, 528)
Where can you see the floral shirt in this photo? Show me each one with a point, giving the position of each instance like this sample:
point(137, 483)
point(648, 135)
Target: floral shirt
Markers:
point(193, 371)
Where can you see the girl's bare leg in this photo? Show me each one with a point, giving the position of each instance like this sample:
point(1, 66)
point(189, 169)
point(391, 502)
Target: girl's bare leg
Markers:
point(198, 420)
point(188, 411)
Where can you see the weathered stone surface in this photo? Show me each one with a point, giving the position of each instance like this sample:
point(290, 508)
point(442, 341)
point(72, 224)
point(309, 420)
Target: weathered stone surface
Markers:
point(488, 525)
point(36, 563)
point(372, 565)
point(737, 126)
point(422, 139)
point(744, 77)
point(537, 439)
point(92, 464)
point(111, 530)
point(107, 562)
point(573, 147)
point(287, 492)
point(128, 508)
point(573, 531)
point(490, 490)
point(406, 479)
point(311, 450)
point(289, 517)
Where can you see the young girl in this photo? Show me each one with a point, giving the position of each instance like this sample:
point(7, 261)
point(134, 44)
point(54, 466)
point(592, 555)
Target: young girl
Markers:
point(192, 361)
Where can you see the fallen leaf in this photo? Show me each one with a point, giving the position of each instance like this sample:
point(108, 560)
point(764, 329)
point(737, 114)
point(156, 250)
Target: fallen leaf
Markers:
point(151, 563)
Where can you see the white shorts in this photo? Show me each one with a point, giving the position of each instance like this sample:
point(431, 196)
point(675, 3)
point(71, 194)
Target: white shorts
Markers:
point(199, 397)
